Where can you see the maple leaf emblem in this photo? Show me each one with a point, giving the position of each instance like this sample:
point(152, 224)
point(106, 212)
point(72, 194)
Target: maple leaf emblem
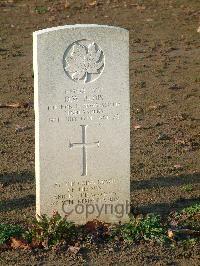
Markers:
point(84, 61)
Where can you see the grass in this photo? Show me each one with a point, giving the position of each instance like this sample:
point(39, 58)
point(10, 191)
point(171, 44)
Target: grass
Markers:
point(47, 232)
point(9, 230)
point(189, 217)
point(142, 228)
point(194, 209)
point(187, 188)
point(51, 230)
point(41, 9)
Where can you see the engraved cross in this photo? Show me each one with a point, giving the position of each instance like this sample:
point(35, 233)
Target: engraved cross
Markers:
point(84, 145)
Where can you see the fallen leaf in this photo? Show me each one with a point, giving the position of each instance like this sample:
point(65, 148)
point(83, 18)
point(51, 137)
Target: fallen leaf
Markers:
point(20, 129)
point(66, 5)
point(140, 8)
point(180, 141)
point(198, 30)
point(153, 107)
point(137, 127)
point(170, 233)
point(156, 107)
point(16, 105)
point(175, 87)
point(16, 243)
point(178, 166)
point(74, 249)
point(11, 105)
point(45, 243)
point(52, 18)
point(92, 3)
point(36, 244)
point(149, 19)
point(92, 226)
point(182, 232)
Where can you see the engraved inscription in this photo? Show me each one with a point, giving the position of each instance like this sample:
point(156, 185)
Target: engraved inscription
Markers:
point(84, 146)
point(85, 104)
point(86, 191)
point(83, 61)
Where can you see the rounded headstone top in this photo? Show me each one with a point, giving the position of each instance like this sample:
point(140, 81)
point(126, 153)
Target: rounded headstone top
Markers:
point(78, 26)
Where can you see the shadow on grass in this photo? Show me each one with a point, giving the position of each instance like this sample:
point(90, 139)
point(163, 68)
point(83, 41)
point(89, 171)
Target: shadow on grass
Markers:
point(17, 204)
point(165, 208)
point(12, 178)
point(158, 182)
point(163, 181)
point(8, 179)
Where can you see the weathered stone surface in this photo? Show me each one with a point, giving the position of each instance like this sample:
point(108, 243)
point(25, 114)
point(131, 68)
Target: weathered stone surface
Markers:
point(81, 80)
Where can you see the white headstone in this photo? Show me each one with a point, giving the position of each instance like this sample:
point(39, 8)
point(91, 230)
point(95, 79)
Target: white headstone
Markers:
point(82, 129)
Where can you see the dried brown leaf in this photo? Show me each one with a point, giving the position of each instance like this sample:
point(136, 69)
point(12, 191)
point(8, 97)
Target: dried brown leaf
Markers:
point(178, 166)
point(180, 141)
point(137, 127)
point(183, 232)
point(67, 4)
point(140, 8)
point(92, 226)
point(92, 3)
point(16, 243)
point(170, 233)
point(16, 105)
point(11, 105)
point(73, 249)
point(36, 244)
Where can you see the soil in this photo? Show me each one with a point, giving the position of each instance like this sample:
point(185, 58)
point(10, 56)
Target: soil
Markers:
point(165, 116)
